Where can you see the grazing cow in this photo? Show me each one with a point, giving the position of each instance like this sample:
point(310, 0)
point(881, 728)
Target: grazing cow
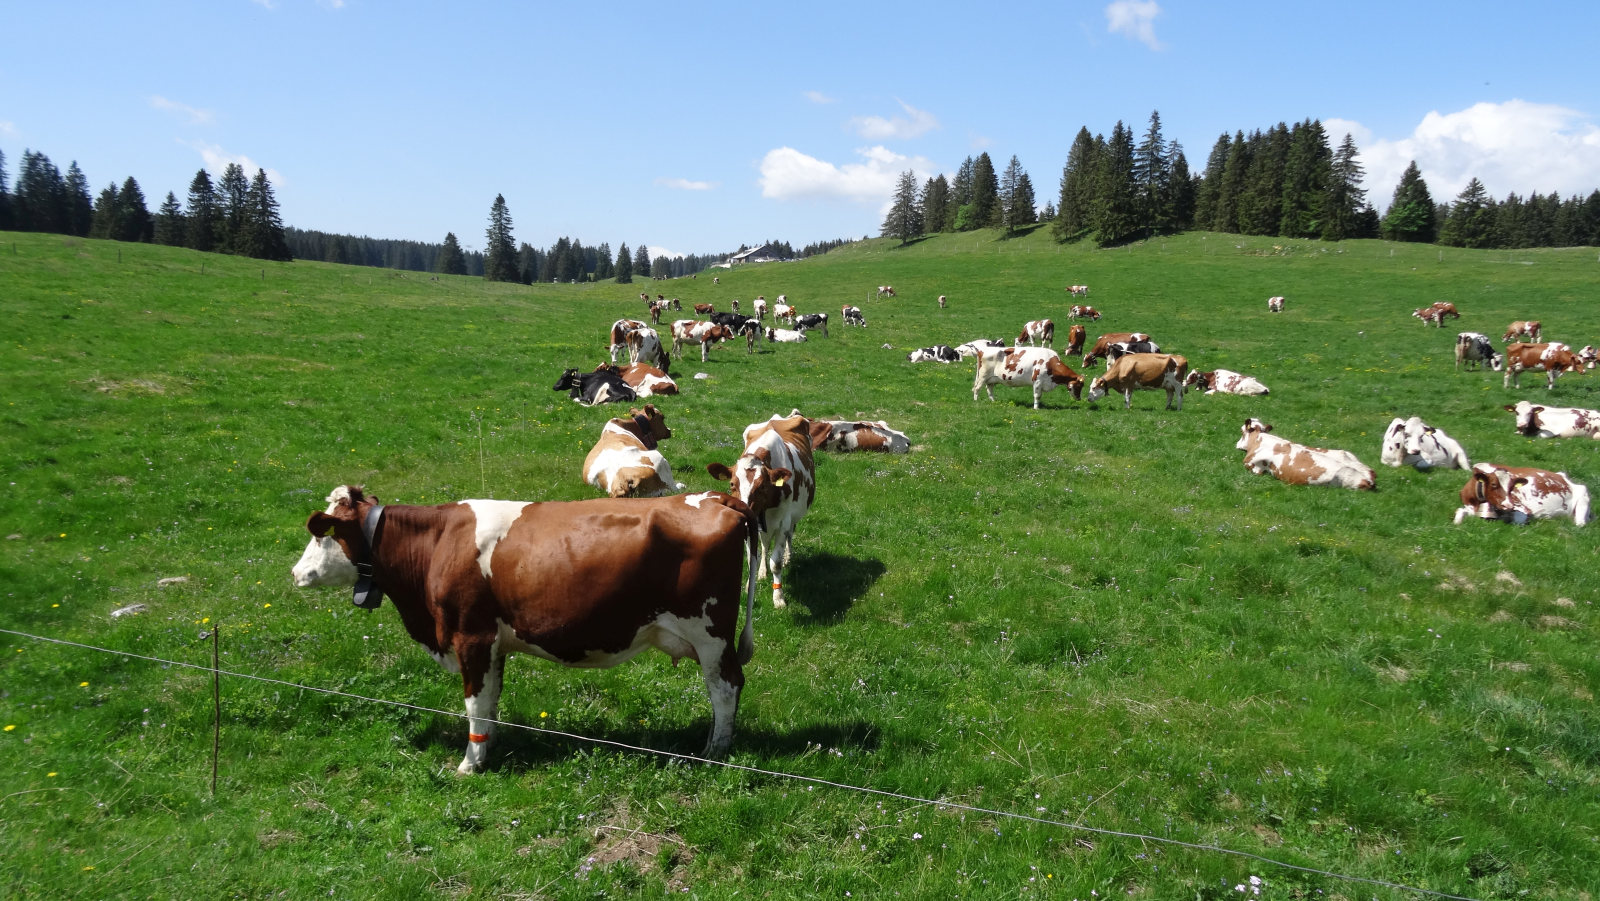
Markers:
point(1076, 334)
point(760, 306)
point(619, 335)
point(1019, 367)
point(1518, 494)
point(783, 312)
point(1037, 332)
point(813, 321)
point(978, 346)
point(1588, 355)
point(1078, 291)
point(1412, 442)
point(941, 301)
point(575, 582)
point(1475, 349)
point(1120, 349)
point(1083, 312)
point(845, 435)
point(1553, 359)
point(1296, 464)
point(704, 309)
point(1154, 371)
point(1539, 421)
point(939, 353)
point(1225, 381)
point(599, 387)
point(852, 316)
point(625, 462)
point(1437, 314)
point(644, 346)
point(1102, 345)
point(716, 280)
point(644, 379)
point(735, 304)
point(776, 477)
point(786, 336)
point(1274, 305)
point(1522, 327)
point(644, 297)
point(693, 331)
point(885, 291)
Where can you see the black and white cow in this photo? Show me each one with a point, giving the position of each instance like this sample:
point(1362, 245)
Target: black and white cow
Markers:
point(590, 388)
point(939, 353)
point(812, 322)
point(852, 316)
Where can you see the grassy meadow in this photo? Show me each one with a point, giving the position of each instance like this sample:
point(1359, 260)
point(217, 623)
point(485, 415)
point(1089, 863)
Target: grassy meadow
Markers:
point(1082, 614)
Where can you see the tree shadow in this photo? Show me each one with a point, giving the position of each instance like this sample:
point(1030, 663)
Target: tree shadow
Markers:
point(912, 242)
point(1022, 231)
point(826, 586)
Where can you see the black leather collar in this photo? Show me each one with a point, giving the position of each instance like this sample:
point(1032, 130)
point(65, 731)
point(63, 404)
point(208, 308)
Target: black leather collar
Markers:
point(367, 594)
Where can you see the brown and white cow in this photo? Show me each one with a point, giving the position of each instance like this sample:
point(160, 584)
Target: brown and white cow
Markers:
point(1296, 464)
point(886, 291)
point(1275, 305)
point(575, 582)
point(646, 380)
point(1225, 381)
point(1437, 314)
point(704, 309)
point(941, 301)
point(1412, 442)
point(760, 306)
point(777, 478)
point(783, 312)
point(1553, 359)
point(1528, 328)
point(1076, 335)
point(1082, 312)
point(734, 304)
point(1519, 494)
point(693, 331)
point(847, 435)
point(625, 461)
point(1037, 332)
point(619, 335)
point(1102, 345)
point(1131, 372)
point(644, 346)
point(1588, 355)
point(1078, 290)
point(1540, 421)
point(1022, 367)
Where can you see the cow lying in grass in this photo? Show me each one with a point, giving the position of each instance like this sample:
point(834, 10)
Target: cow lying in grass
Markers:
point(846, 435)
point(1540, 421)
point(1412, 442)
point(1519, 494)
point(625, 461)
point(1296, 464)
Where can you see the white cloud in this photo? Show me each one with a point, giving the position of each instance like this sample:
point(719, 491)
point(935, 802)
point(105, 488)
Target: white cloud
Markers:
point(8, 128)
point(1512, 147)
point(266, 4)
point(877, 128)
point(217, 159)
point(684, 184)
point(788, 174)
point(819, 97)
point(195, 116)
point(1135, 19)
point(657, 253)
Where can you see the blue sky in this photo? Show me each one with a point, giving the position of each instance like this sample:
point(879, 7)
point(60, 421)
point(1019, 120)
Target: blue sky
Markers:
point(699, 129)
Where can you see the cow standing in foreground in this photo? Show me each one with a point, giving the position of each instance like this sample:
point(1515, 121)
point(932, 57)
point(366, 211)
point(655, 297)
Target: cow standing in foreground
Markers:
point(575, 582)
point(1540, 421)
point(1296, 464)
point(1519, 494)
point(1412, 442)
point(1022, 367)
point(620, 330)
point(1552, 359)
point(1038, 332)
point(625, 461)
point(1157, 372)
point(777, 479)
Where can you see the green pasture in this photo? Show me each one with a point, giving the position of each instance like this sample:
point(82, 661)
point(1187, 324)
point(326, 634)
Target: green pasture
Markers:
point(1036, 626)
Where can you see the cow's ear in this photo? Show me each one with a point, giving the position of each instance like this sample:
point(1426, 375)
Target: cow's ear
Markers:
point(320, 525)
point(720, 472)
point(1511, 408)
point(650, 410)
point(780, 477)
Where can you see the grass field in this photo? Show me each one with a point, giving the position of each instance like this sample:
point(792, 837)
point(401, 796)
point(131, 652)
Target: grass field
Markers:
point(1087, 615)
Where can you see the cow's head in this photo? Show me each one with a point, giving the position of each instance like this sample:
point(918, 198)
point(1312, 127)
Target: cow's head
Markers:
point(754, 480)
point(1097, 388)
point(1394, 443)
point(336, 540)
point(652, 422)
point(1417, 432)
point(1251, 428)
point(569, 381)
point(1062, 374)
point(1527, 417)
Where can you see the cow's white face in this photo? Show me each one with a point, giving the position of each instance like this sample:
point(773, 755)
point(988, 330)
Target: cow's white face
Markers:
point(1097, 390)
point(324, 561)
point(1394, 443)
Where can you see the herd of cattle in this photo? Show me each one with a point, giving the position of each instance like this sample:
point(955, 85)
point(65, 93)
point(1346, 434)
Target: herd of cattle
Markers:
point(581, 583)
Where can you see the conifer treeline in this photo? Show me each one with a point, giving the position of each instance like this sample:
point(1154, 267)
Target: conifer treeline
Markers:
point(1289, 181)
point(239, 215)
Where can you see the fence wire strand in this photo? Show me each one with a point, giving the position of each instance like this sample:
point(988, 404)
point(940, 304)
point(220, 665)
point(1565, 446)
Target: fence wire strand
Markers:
point(775, 774)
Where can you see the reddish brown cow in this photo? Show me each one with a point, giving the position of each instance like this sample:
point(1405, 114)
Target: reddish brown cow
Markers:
point(1130, 372)
point(1529, 328)
point(1076, 334)
point(582, 583)
point(1552, 359)
point(704, 308)
point(1102, 345)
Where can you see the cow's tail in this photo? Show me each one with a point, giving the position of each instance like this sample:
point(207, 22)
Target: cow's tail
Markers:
point(752, 540)
point(1580, 504)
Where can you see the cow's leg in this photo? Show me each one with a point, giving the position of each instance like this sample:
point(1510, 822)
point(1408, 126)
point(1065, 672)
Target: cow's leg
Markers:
point(777, 559)
point(1127, 398)
point(482, 669)
point(703, 346)
point(719, 666)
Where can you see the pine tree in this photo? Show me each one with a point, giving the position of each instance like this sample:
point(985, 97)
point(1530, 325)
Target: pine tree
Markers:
point(1411, 215)
point(5, 195)
point(1077, 181)
point(500, 252)
point(204, 215)
point(1210, 185)
point(1049, 212)
point(233, 198)
point(103, 219)
point(1024, 203)
point(1114, 212)
point(986, 210)
point(450, 260)
point(79, 208)
point(641, 261)
point(169, 222)
point(1346, 197)
point(38, 204)
point(1181, 187)
point(1307, 170)
point(1152, 178)
point(130, 218)
point(263, 238)
point(530, 264)
point(935, 202)
point(624, 266)
point(1230, 193)
point(1470, 222)
point(960, 196)
point(1261, 204)
point(901, 220)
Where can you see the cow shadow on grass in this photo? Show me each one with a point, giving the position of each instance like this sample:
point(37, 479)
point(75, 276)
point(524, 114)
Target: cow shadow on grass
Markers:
point(825, 586)
point(520, 750)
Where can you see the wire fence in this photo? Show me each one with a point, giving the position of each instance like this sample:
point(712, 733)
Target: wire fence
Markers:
point(217, 672)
